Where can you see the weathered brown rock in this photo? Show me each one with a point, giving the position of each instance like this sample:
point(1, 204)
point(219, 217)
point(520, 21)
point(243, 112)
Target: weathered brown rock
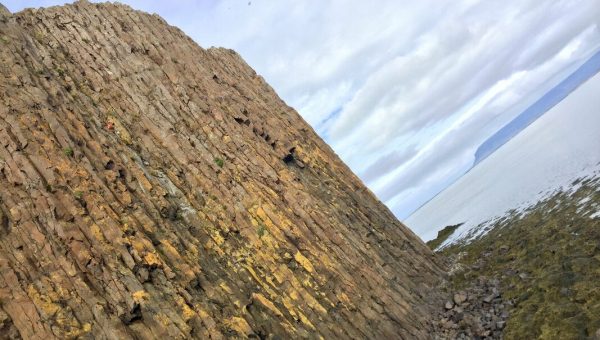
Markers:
point(153, 189)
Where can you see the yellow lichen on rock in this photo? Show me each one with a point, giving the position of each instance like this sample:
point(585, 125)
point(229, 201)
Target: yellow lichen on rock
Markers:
point(305, 320)
point(121, 131)
point(43, 302)
point(304, 262)
point(96, 232)
point(267, 303)
point(140, 296)
point(152, 259)
point(239, 325)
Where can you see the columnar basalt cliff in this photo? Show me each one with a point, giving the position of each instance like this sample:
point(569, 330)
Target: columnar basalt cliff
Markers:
point(150, 188)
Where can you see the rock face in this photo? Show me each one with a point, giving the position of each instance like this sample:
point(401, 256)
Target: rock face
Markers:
point(150, 188)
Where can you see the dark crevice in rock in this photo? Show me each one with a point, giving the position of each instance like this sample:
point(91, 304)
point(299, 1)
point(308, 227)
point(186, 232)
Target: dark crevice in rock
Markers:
point(134, 314)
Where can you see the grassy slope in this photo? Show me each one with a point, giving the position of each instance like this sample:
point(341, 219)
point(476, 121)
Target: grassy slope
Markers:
point(548, 259)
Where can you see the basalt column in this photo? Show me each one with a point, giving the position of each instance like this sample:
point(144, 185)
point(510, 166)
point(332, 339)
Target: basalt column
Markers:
point(150, 188)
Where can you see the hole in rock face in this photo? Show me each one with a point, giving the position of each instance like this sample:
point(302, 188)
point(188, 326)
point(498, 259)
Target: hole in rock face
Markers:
point(241, 120)
point(289, 158)
point(109, 165)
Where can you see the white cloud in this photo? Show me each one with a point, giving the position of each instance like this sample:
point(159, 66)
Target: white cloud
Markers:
point(404, 91)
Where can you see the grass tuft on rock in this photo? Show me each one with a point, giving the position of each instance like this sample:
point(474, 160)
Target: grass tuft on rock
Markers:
point(261, 231)
point(68, 151)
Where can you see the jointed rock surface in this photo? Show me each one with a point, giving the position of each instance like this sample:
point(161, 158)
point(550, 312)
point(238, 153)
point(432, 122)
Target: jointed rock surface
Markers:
point(150, 188)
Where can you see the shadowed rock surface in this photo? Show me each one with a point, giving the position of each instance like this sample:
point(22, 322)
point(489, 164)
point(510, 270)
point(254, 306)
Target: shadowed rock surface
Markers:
point(150, 188)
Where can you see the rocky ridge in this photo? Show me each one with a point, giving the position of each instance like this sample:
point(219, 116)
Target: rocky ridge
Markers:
point(150, 188)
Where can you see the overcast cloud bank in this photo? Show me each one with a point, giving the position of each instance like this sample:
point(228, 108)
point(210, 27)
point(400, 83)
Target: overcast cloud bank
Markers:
point(405, 91)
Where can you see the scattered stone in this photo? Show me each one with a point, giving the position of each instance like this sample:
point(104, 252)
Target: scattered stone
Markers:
point(456, 269)
point(478, 311)
point(460, 297)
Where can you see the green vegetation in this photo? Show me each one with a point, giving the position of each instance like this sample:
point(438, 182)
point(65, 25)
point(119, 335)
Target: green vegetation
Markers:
point(262, 230)
point(219, 162)
point(78, 195)
point(60, 72)
point(39, 36)
point(442, 236)
point(548, 260)
point(68, 151)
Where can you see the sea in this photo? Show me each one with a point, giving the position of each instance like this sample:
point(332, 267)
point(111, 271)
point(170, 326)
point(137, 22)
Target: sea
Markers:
point(547, 156)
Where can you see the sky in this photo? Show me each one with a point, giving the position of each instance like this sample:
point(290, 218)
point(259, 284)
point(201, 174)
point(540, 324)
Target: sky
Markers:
point(404, 91)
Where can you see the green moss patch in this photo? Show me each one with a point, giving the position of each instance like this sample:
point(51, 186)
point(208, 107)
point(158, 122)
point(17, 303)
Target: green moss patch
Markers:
point(548, 261)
